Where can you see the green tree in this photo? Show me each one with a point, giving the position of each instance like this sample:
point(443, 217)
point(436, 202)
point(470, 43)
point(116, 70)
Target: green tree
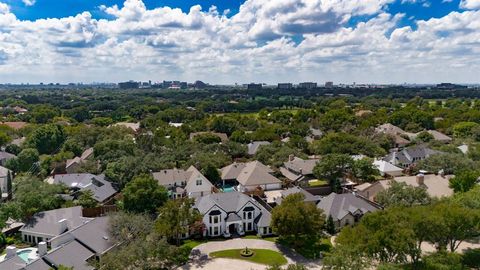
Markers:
point(175, 218)
point(464, 129)
point(47, 139)
point(4, 138)
point(464, 181)
point(330, 226)
point(401, 194)
point(471, 258)
point(364, 170)
point(25, 161)
point(212, 174)
point(294, 220)
point(450, 163)
point(424, 136)
point(86, 199)
point(333, 167)
point(44, 113)
point(144, 195)
point(224, 124)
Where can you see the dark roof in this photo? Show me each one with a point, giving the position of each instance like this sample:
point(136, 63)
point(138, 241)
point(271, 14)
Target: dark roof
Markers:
point(101, 188)
point(39, 264)
point(13, 263)
point(72, 254)
point(95, 235)
point(301, 166)
point(408, 155)
point(309, 197)
point(47, 222)
point(340, 205)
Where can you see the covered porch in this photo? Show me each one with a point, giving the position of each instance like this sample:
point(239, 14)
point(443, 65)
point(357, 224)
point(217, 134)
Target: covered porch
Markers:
point(233, 226)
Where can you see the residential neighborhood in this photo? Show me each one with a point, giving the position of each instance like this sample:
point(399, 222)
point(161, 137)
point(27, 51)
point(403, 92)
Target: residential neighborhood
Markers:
point(186, 188)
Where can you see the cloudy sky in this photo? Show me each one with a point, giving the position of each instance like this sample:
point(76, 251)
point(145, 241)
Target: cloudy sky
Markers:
point(228, 41)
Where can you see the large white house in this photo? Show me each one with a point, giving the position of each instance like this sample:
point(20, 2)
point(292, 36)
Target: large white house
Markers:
point(233, 213)
point(180, 183)
point(251, 176)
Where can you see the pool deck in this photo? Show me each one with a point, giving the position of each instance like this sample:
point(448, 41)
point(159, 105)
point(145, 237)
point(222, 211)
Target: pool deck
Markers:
point(30, 257)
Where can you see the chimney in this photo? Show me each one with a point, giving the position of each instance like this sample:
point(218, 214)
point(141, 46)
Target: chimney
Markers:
point(301, 171)
point(62, 226)
point(42, 249)
point(291, 157)
point(11, 252)
point(420, 179)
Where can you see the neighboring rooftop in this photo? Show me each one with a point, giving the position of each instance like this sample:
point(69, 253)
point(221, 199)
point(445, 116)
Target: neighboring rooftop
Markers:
point(340, 205)
point(254, 146)
point(309, 197)
point(301, 166)
point(436, 185)
point(51, 222)
point(101, 188)
point(249, 174)
point(14, 125)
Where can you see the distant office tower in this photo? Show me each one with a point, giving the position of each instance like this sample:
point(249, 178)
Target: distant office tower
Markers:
point(129, 85)
point(254, 86)
point(199, 85)
point(307, 85)
point(329, 85)
point(285, 86)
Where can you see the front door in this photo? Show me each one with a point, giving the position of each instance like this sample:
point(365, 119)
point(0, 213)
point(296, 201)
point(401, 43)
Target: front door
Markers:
point(231, 229)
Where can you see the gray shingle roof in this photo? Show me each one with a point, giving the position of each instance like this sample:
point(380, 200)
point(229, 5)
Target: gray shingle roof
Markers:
point(4, 172)
point(39, 264)
point(13, 263)
point(250, 174)
point(340, 205)
point(4, 156)
point(72, 254)
point(95, 235)
point(254, 146)
point(47, 222)
point(101, 188)
point(309, 197)
point(301, 166)
point(408, 155)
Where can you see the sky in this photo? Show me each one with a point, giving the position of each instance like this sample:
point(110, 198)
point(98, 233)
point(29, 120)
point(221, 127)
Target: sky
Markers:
point(240, 41)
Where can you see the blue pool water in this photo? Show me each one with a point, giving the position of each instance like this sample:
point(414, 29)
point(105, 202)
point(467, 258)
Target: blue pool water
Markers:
point(228, 188)
point(23, 254)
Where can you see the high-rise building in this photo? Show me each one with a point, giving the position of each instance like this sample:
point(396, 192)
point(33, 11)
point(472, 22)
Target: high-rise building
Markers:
point(129, 85)
point(307, 85)
point(285, 86)
point(254, 86)
point(329, 85)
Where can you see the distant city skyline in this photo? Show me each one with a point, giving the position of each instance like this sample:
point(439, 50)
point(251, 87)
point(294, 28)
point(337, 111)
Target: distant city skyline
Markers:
point(238, 41)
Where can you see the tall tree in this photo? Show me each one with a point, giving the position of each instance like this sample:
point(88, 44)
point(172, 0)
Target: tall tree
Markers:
point(144, 195)
point(401, 194)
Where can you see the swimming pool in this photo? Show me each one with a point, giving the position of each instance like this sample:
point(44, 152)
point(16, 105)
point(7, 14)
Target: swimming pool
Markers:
point(26, 254)
point(229, 188)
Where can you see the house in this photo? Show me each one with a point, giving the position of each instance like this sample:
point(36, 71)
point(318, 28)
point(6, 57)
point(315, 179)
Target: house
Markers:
point(437, 186)
point(4, 175)
point(75, 248)
point(409, 156)
point(463, 148)
point(254, 146)
point(387, 169)
point(345, 209)
point(314, 134)
point(74, 164)
point(250, 176)
point(14, 125)
point(4, 157)
point(308, 197)
point(44, 226)
point(180, 183)
point(102, 189)
point(133, 126)
point(440, 137)
point(297, 169)
point(233, 213)
point(223, 137)
point(399, 135)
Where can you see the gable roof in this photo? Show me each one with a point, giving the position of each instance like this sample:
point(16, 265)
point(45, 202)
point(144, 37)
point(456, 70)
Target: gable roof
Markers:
point(38, 264)
point(133, 126)
point(255, 173)
point(301, 166)
point(14, 125)
point(340, 205)
point(47, 222)
point(254, 146)
point(408, 155)
point(95, 235)
point(6, 155)
point(386, 167)
point(389, 129)
point(101, 188)
point(13, 263)
point(309, 197)
point(438, 136)
point(229, 202)
point(72, 254)
point(192, 181)
point(436, 185)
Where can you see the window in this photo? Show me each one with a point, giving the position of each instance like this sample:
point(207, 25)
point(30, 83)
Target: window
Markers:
point(199, 182)
point(215, 231)
point(249, 226)
point(249, 214)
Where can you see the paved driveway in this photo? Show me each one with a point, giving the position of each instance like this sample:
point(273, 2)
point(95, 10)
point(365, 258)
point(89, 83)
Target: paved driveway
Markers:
point(220, 263)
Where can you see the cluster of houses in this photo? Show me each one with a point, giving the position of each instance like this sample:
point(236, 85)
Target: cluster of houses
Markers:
point(240, 204)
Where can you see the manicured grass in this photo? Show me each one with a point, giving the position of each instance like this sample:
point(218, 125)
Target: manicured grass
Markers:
point(193, 243)
point(310, 247)
point(268, 238)
point(317, 183)
point(261, 256)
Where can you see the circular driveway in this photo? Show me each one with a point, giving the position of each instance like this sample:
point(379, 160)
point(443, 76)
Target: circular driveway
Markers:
point(221, 263)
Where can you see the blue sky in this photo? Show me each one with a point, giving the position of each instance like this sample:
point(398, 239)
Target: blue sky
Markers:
point(374, 41)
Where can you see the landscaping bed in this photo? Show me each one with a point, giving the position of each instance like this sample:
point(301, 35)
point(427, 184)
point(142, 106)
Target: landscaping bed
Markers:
point(261, 256)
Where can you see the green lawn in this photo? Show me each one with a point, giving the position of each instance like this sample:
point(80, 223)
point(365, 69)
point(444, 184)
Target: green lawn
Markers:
point(262, 256)
point(268, 238)
point(317, 183)
point(191, 243)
